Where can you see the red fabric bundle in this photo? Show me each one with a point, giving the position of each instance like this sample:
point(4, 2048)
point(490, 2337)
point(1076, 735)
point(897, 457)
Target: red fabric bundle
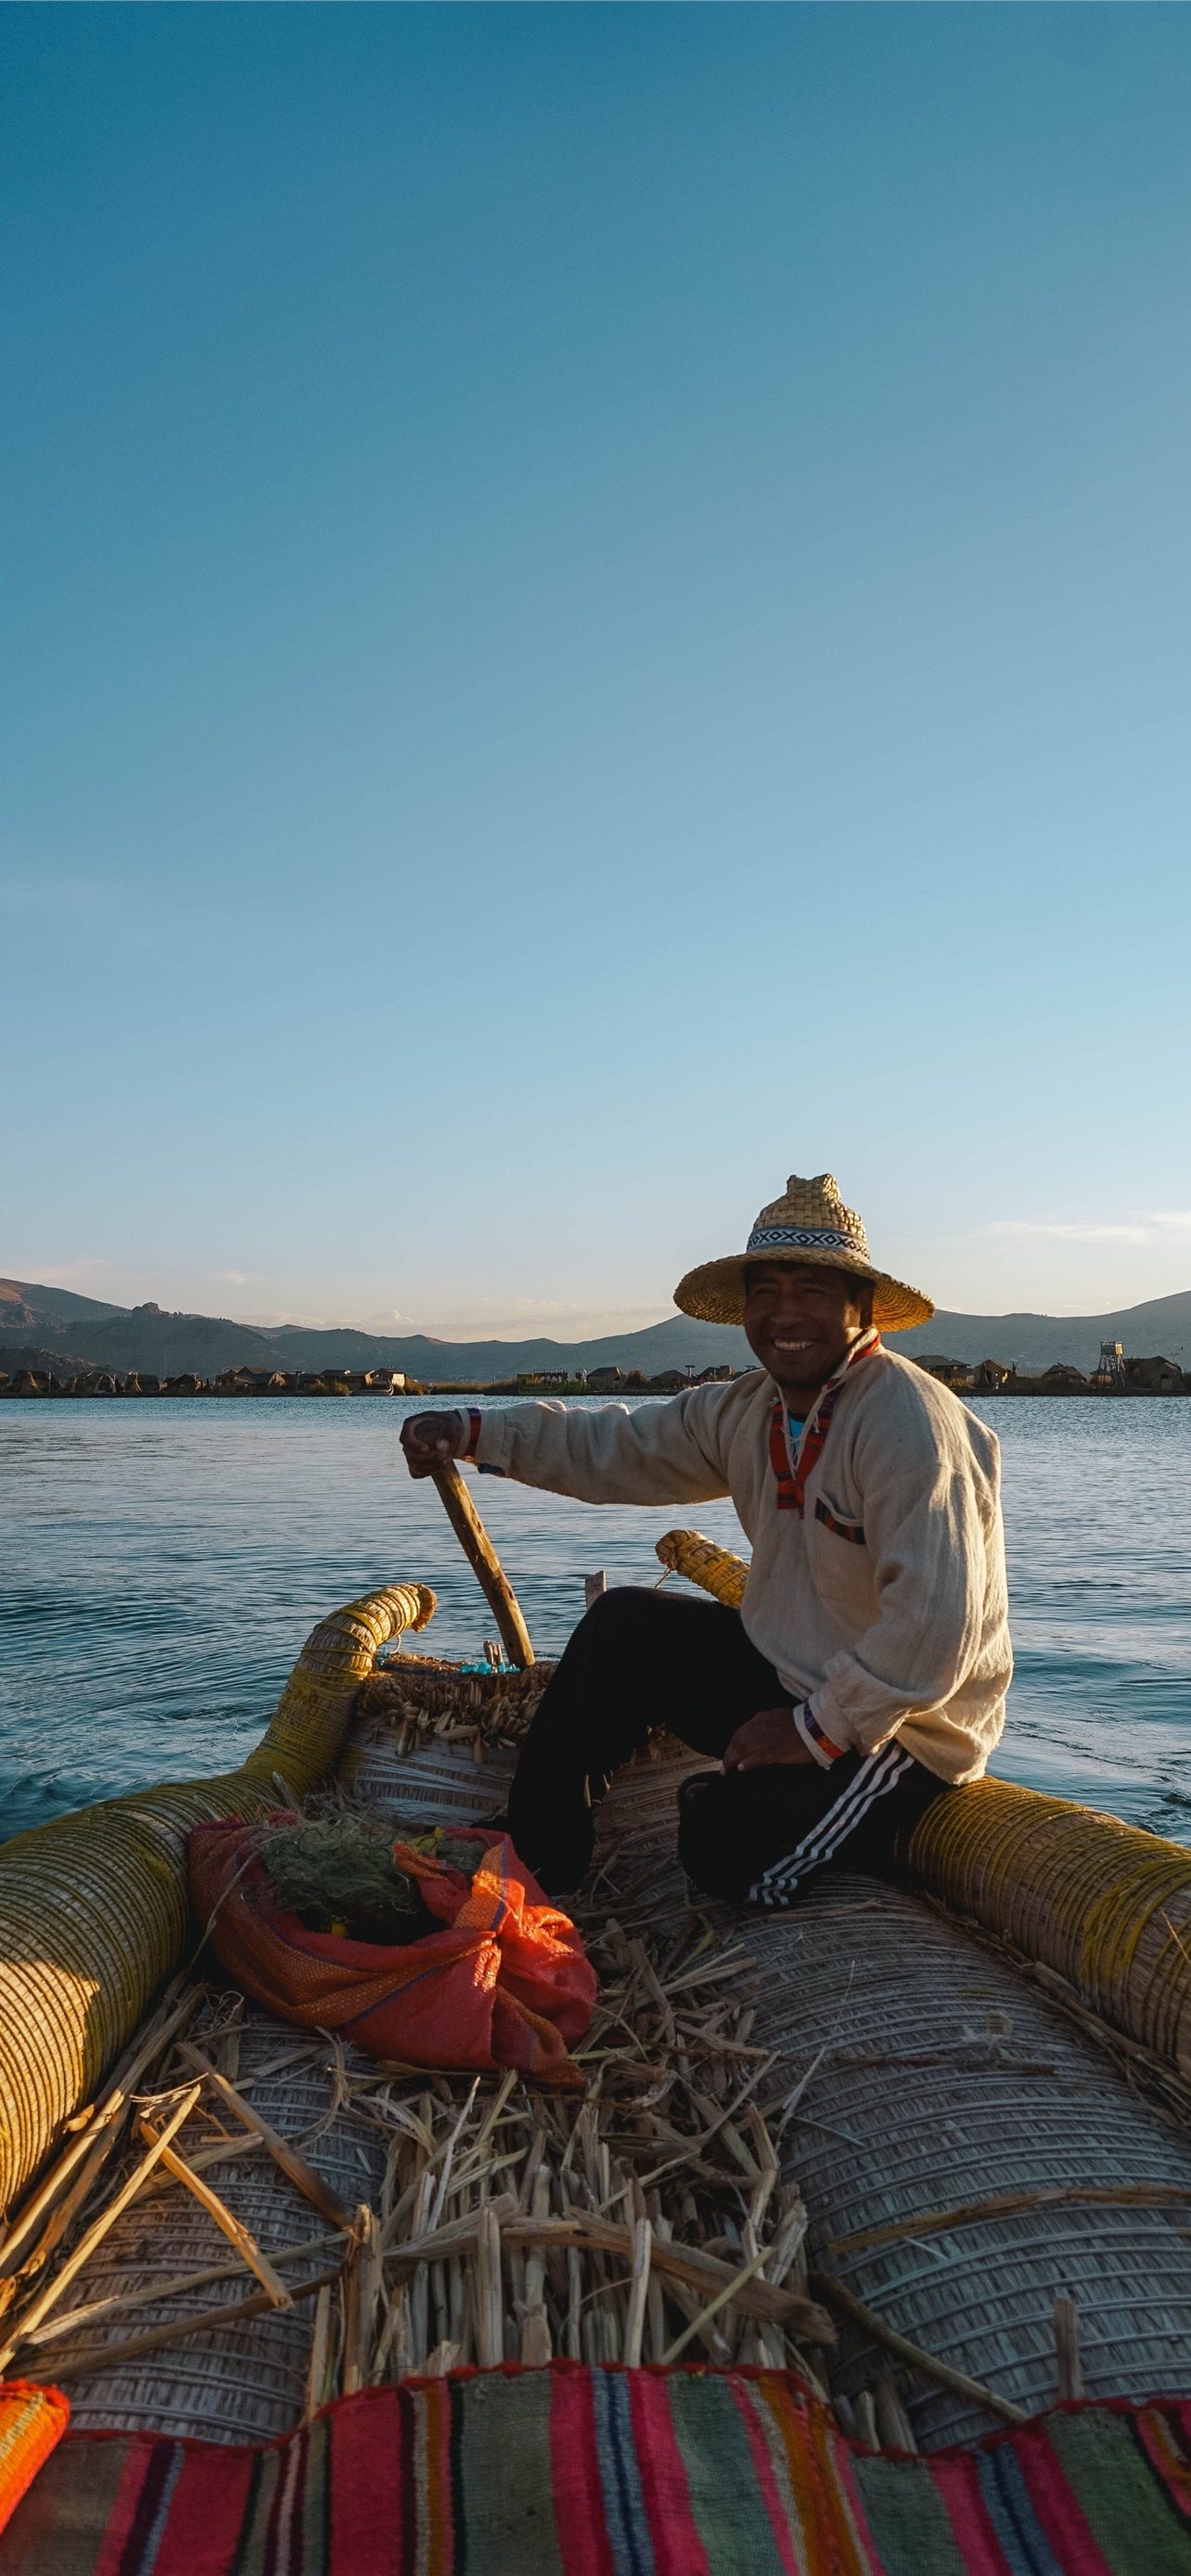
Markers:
point(507, 1982)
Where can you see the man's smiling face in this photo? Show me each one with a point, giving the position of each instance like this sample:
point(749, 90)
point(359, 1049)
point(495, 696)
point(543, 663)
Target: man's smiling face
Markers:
point(801, 1320)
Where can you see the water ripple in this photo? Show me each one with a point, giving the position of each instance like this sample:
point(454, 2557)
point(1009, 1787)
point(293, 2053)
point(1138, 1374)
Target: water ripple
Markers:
point(166, 1559)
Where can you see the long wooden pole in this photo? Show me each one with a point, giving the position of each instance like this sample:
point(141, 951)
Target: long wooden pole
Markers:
point(485, 1564)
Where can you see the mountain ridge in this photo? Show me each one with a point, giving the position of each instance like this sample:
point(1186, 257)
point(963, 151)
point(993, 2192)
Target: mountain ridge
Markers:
point(144, 1337)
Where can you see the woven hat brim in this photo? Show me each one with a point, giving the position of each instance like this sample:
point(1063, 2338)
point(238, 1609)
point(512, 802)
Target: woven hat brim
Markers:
point(715, 1291)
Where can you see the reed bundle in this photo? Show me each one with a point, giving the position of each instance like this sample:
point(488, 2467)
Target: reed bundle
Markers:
point(423, 1700)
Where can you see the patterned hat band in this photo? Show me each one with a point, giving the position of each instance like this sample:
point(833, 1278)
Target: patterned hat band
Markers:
point(810, 1219)
point(808, 1238)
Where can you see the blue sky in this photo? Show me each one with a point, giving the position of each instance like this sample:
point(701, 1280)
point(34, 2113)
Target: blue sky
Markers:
point(596, 612)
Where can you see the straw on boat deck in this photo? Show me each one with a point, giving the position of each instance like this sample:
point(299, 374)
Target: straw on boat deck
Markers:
point(642, 2222)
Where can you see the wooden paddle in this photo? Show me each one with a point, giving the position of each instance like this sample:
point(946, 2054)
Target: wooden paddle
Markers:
point(485, 1564)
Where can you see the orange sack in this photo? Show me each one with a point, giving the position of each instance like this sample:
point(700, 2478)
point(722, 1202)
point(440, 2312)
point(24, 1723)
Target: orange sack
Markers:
point(507, 1982)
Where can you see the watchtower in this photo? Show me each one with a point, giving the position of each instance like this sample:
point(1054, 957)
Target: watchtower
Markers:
point(1110, 1371)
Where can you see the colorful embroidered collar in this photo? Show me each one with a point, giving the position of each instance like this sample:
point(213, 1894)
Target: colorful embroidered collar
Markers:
point(793, 1468)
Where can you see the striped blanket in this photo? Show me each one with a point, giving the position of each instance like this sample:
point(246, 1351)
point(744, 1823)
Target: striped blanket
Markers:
point(568, 2471)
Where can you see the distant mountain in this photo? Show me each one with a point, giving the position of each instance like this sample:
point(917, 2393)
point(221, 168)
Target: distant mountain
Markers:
point(121, 1337)
point(170, 1345)
point(1162, 1324)
point(24, 1306)
point(143, 1337)
point(1032, 1341)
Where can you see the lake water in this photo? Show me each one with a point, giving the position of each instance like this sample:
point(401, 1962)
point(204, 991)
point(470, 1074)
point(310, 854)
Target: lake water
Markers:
point(164, 1560)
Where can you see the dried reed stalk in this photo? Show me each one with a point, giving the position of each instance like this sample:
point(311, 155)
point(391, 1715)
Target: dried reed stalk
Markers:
point(65, 2210)
point(289, 2158)
point(456, 2236)
point(100, 2311)
point(1007, 2204)
point(317, 2368)
point(202, 2159)
point(233, 2228)
point(114, 2356)
point(537, 2342)
point(914, 2354)
point(731, 2291)
point(105, 2116)
point(893, 2423)
point(634, 2330)
point(362, 2291)
point(866, 2421)
point(690, 2264)
point(48, 2297)
point(489, 2313)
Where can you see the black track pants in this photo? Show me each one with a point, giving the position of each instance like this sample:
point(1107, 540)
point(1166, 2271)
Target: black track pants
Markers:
point(642, 1659)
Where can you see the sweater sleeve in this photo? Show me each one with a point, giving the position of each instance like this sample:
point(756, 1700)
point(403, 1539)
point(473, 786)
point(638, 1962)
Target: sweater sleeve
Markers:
point(932, 1524)
point(618, 1453)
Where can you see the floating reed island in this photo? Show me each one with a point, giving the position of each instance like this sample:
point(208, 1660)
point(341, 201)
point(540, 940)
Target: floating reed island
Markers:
point(50, 1377)
point(60, 1380)
point(42, 1374)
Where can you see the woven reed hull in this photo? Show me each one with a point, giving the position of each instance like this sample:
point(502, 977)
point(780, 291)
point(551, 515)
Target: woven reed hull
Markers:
point(946, 2081)
point(1100, 1903)
point(854, 1989)
point(1009, 2099)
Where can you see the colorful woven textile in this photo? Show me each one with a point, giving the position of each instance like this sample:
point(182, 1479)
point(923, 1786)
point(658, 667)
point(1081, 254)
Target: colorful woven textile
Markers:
point(576, 2472)
point(32, 2421)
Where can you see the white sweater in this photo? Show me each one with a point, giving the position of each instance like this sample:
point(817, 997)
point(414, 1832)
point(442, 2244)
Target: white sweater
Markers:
point(903, 1631)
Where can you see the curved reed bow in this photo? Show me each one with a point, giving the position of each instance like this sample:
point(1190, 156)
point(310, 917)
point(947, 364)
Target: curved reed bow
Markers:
point(93, 1911)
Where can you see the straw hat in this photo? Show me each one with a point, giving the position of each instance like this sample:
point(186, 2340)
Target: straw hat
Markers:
point(810, 1223)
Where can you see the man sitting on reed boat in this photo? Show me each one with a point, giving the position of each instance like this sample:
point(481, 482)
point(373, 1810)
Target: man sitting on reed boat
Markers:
point(867, 1669)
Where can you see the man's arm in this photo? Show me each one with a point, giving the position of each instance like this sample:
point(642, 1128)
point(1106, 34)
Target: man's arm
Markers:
point(933, 1527)
point(646, 1453)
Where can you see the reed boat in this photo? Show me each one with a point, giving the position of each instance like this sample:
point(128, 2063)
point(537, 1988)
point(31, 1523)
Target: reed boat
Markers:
point(859, 2202)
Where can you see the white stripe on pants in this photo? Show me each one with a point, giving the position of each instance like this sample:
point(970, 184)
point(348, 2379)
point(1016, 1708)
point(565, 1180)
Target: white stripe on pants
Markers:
point(877, 1775)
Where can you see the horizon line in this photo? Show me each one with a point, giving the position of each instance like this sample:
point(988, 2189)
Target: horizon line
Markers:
point(501, 1340)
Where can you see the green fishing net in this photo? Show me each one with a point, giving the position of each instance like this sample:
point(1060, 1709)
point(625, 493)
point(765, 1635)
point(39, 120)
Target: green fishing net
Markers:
point(335, 1870)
